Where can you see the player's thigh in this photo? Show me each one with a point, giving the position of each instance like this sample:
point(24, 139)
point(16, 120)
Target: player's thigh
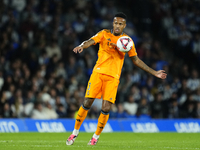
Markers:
point(109, 90)
point(94, 86)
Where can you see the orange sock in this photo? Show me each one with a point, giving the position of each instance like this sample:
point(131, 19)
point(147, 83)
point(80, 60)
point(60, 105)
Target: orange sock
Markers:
point(82, 113)
point(103, 118)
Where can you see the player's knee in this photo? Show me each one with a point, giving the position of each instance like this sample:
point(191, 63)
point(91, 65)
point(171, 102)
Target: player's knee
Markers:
point(88, 102)
point(106, 108)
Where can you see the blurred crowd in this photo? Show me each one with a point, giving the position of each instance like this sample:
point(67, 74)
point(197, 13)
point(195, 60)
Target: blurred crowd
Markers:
point(41, 77)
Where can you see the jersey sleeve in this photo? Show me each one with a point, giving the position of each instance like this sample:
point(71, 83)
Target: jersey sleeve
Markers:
point(98, 37)
point(132, 52)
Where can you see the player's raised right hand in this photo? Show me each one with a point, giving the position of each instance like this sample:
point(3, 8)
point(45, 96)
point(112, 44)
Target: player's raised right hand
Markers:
point(78, 49)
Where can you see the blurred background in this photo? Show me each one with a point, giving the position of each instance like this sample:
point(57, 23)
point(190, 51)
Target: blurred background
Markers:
point(41, 77)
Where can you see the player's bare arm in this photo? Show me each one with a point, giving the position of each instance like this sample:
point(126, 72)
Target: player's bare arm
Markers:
point(84, 45)
point(139, 63)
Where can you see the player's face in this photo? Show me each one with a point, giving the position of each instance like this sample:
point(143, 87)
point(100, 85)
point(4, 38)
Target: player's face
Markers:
point(118, 25)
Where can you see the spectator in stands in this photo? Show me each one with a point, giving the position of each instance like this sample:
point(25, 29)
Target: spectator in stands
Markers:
point(53, 49)
point(61, 111)
point(38, 112)
point(196, 95)
point(191, 110)
point(195, 46)
point(173, 109)
point(135, 92)
point(7, 112)
point(194, 82)
point(60, 70)
point(18, 107)
point(49, 111)
point(198, 110)
point(143, 110)
point(157, 106)
point(113, 111)
point(71, 66)
point(121, 113)
point(29, 103)
point(1, 80)
point(145, 94)
point(36, 55)
point(131, 106)
point(2, 104)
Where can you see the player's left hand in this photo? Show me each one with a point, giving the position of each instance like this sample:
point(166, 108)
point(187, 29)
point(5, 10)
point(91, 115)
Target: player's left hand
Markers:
point(161, 74)
point(78, 49)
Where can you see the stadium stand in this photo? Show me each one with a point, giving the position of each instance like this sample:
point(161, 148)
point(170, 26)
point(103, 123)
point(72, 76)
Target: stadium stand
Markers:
point(41, 78)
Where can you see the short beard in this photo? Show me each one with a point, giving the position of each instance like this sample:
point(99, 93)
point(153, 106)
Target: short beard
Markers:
point(117, 34)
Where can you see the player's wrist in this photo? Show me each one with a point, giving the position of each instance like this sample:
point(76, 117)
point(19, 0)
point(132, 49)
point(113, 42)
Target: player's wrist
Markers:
point(81, 45)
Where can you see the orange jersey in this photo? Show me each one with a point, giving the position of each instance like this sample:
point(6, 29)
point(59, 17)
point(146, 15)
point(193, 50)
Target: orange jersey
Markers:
point(110, 61)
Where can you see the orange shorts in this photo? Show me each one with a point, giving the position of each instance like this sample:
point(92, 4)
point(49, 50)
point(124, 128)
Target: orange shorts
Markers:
point(102, 86)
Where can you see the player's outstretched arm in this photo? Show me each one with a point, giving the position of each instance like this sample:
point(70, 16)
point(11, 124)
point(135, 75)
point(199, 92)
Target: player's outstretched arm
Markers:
point(83, 45)
point(139, 63)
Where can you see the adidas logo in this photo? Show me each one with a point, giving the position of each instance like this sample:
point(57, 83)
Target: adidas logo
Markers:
point(80, 115)
point(100, 127)
point(101, 123)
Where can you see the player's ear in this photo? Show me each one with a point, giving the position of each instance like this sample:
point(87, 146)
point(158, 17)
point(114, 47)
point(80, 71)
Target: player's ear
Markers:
point(125, 25)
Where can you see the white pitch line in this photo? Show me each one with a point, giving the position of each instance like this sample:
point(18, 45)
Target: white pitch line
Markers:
point(36, 145)
point(56, 141)
point(25, 141)
point(82, 146)
point(80, 141)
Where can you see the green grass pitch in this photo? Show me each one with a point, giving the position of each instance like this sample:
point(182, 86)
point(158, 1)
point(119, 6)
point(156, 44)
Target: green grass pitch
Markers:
point(107, 141)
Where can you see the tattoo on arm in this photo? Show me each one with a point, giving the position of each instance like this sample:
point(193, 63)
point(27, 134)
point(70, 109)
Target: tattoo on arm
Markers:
point(87, 43)
point(139, 63)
